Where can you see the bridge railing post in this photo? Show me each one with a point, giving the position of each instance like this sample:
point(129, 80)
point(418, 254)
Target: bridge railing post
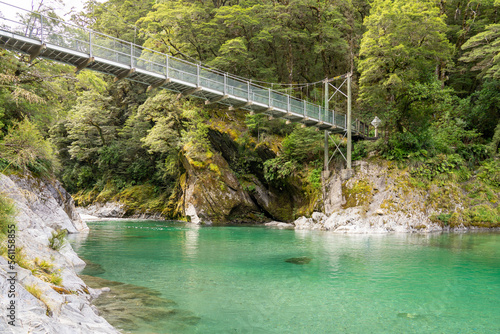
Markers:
point(197, 75)
point(269, 97)
point(167, 73)
point(90, 44)
point(225, 83)
point(41, 28)
point(131, 55)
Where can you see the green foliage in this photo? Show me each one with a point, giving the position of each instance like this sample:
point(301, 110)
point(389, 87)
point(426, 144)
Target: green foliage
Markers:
point(7, 210)
point(2, 115)
point(403, 45)
point(401, 146)
point(39, 91)
point(429, 70)
point(439, 165)
point(443, 218)
point(166, 113)
point(46, 272)
point(495, 143)
point(24, 147)
point(283, 41)
point(303, 144)
point(451, 134)
point(489, 172)
point(115, 17)
point(484, 216)
point(257, 124)
point(485, 48)
point(34, 290)
point(359, 151)
point(315, 178)
point(91, 125)
point(483, 107)
point(277, 170)
point(57, 240)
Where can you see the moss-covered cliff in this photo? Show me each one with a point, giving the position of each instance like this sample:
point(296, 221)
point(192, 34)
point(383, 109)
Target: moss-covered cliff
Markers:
point(381, 196)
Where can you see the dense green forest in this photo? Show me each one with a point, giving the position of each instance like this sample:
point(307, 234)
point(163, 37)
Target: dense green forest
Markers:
point(428, 69)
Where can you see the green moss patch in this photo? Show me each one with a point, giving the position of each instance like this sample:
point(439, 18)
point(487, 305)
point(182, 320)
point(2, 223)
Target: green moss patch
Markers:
point(483, 216)
point(359, 193)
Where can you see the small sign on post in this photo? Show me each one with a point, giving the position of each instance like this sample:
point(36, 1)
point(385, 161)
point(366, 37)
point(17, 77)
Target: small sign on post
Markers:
point(376, 122)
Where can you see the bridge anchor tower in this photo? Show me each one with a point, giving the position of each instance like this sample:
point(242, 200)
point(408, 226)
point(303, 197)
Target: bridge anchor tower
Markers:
point(348, 126)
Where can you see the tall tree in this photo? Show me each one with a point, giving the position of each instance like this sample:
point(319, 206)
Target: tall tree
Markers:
point(403, 53)
point(284, 41)
point(483, 50)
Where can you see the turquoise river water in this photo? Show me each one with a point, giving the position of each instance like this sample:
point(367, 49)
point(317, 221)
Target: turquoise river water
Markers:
point(184, 279)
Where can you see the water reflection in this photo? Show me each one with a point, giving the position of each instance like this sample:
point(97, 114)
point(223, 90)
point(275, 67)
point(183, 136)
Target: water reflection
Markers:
point(190, 246)
point(77, 240)
point(237, 279)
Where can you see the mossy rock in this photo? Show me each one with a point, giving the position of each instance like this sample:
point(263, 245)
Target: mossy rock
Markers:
point(358, 193)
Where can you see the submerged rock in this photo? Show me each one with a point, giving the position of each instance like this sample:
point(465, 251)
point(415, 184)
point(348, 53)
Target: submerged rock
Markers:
point(299, 260)
point(409, 315)
point(130, 307)
point(93, 269)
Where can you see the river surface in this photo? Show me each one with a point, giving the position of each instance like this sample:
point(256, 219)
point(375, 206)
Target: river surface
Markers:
point(175, 278)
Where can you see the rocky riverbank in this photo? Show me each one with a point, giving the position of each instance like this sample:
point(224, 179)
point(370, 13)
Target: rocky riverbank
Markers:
point(114, 209)
point(378, 197)
point(49, 296)
point(373, 197)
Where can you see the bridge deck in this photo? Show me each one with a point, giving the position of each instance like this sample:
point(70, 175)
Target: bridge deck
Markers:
point(40, 36)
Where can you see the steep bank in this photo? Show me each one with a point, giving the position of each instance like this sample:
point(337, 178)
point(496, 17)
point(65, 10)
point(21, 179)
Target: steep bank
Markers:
point(50, 297)
point(212, 188)
point(378, 197)
point(375, 197)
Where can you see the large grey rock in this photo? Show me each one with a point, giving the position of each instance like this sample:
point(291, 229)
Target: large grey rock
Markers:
point(215, 196)
point(104, 210)
point(44, 207)
point(390, 206)
point(280, 225)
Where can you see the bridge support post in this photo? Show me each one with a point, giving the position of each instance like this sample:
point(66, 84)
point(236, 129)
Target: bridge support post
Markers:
point(326, 155)
point(349, 125)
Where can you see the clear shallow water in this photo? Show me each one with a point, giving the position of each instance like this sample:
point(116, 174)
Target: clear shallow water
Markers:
point(236, 280)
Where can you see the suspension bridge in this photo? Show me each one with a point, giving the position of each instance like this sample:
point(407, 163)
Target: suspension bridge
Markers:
point(41, 36)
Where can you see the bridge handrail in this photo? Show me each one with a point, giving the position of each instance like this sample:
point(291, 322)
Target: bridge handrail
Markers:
point(135, 54)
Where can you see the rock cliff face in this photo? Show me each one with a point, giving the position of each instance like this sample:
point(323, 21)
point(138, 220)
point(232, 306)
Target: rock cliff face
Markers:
point(44, 303)
point(373, 198)
point(214, 195)
point(213, 188)
point(211, 192)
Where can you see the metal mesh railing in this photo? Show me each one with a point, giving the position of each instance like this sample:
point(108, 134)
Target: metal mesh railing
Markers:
point(93, 44)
